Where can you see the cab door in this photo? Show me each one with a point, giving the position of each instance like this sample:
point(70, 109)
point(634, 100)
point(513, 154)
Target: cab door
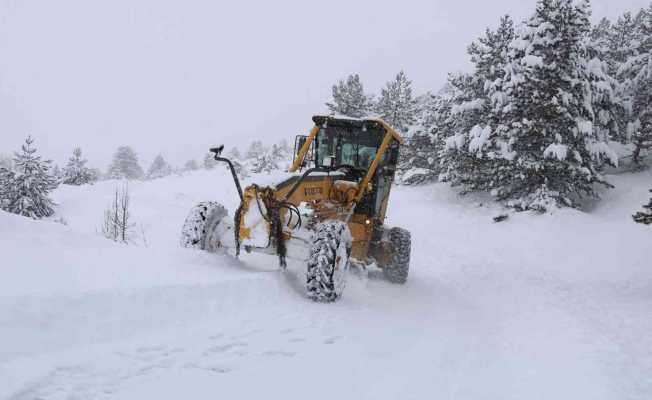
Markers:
point(384, 179)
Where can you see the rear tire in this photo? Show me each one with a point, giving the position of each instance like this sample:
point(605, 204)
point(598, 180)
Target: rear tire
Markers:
point(398, 268)
point(206, 226)
point(328, 261)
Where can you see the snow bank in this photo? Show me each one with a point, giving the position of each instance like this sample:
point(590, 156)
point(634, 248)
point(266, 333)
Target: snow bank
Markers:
point(556, 305)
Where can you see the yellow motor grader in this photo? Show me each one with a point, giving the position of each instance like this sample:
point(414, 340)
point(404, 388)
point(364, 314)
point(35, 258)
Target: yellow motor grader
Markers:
point(329, 211)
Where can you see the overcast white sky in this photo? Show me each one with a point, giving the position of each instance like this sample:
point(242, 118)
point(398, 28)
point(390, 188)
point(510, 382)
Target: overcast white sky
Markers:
point(175, 77)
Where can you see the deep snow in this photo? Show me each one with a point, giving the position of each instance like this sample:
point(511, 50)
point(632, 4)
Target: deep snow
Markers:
point(536, 307)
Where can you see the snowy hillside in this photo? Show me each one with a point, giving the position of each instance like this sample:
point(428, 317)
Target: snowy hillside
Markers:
point(551, 307)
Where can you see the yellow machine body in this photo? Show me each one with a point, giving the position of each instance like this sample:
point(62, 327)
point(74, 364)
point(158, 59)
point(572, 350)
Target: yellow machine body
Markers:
point(350, 193)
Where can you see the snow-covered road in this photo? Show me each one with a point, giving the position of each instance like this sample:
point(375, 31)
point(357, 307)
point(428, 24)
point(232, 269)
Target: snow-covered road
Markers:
point(537, 307)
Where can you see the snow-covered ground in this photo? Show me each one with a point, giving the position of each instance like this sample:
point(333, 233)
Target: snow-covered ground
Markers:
point(536, 307)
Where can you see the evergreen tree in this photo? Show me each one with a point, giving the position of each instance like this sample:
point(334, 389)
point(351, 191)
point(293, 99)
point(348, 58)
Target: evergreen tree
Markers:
point(644, 217)
point(349, 98)
point(600, 38)
point(605, 104)
point(418, 161)
point(635, 73)
point(159, 168)
point(95, 174)
point(125, 164)
point(548, 125)
point(191, 165)
point(281, 152)
point(472, 154)
point(234, 154)
point(284, 147)
point(76, 172)
point(267, 161)
point(209, 161)
point(58, 173)
point(6, 179)
point(5, 162)
point(619, 42)
point(27, 188)
point(396, 105)
point(255, 150)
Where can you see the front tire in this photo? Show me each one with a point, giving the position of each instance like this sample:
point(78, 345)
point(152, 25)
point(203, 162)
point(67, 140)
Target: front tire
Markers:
point(206, 227)
point(400, 247)
point(328, 261)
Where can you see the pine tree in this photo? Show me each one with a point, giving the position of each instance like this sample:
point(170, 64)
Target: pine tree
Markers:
point(76, 172)
point(255, 149)
point(644, 217)
point(58, 173)
point(349, 98)
point(267, 161)
point(191, 165)
point(6, 162)
point(209, 161)
point(635, 73)
point(617, 43)
point(548, 125)
point(159, 168)
point(284, 147)
point(419, 157)
point(282, 153)
point(6, 179)
point(600, 38)
point(27, 188)
point(96, 174)
point(472, 154)
point(605, 104)
point(234, 154)
point(125, 164)
point(396, 105)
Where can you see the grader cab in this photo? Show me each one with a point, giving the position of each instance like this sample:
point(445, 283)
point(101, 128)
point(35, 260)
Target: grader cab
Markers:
point(328, 212)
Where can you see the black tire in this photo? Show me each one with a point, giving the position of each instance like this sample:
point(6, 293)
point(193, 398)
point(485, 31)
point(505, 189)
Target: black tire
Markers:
point(328, 261)
point(401, 242)
point(205, 226)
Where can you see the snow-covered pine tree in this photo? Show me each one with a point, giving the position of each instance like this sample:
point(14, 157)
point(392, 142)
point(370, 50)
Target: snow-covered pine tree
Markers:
point(254, 150)
point(209, 161)
point(282, 153)
point(241, 169)
point(644, 217)
point(267, 161)
point(419, 157)
point(234, 154)
point(284, 147)
point(5, 161)
point(605, 103)
point(545, 103)
point(6, 179)
point(191, 165)
point(396, 104)
point(619, 42)
point(58, 173)
point(125, 164)
point(349, 98)
point(635, 73)
point(76, 172)
point(159, 168)
point(28, 187)
point(600, 38)
point(472, 154)
point(96, 174)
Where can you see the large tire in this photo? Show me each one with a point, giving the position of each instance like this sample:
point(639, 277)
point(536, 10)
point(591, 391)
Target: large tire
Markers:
point(397, 269)
point(328, 261)
point(206, 226)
